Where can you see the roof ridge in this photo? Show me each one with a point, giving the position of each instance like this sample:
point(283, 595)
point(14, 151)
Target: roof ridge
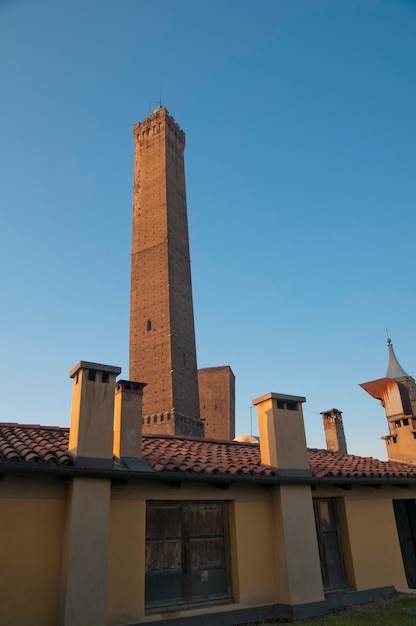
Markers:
point(199, 439)
point(33, 426)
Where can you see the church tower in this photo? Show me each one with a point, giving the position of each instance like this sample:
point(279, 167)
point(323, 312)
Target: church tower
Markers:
point(397, 393)
point(162, 334)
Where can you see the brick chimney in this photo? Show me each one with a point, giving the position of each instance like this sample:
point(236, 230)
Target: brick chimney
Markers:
point(334, 431)
point(92, 414)
point(128, 419)
point(282, 432)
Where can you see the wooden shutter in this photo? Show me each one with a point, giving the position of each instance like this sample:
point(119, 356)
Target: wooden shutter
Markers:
point(187, 553)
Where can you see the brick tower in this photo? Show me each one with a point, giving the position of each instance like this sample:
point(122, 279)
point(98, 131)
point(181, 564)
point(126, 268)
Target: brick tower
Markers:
point(162, 335)
point(217, 401)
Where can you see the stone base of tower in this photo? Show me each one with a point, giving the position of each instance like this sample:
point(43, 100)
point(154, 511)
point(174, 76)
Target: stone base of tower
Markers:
point(173, 423)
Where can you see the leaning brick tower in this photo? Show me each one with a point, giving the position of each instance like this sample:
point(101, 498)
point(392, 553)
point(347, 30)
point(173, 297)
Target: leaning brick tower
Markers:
point(162, 334)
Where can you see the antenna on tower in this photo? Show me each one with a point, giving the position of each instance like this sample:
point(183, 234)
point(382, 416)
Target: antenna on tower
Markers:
point(160, 96)
point(388, 338)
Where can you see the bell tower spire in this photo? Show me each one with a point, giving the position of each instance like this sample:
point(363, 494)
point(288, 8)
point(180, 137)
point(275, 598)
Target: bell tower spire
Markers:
point(397, 393)
point(394, 369)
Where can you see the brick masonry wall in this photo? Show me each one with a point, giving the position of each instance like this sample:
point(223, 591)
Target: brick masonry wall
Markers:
point(217, 401)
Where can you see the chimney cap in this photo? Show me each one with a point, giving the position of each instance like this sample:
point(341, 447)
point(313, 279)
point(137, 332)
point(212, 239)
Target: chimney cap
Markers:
point(99, 367)
point(130, 384)
point(278, 396)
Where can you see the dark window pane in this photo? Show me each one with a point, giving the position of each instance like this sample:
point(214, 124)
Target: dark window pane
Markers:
point(331, 546)
point(332, 564)
point(205, 519)
point(207, 553)
point(186, 556)
point(163, 555)
point(163, 521)
point(327, 515)
point(164, 587)
point(209, 582)
point(335, 574)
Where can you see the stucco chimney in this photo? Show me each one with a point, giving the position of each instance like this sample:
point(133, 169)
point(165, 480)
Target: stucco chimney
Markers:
point(92, 414)
point(282, 432)
point(128, 419)
point(283, 446)
point(334, 431)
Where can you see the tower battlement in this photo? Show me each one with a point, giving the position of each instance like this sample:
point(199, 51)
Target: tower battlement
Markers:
point(159, 121)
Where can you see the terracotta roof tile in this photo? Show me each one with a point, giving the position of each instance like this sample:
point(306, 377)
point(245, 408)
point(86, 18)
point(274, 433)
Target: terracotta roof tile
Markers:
point(203, 456)
point(34, 444)
point(48, 445)
point(328, 464)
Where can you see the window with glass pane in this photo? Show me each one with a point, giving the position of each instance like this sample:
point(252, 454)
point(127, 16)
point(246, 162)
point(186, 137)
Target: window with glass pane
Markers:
point(330, 548)
point(187, 553)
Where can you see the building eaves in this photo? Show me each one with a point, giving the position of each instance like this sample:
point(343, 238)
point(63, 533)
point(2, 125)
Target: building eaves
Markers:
point(44, 450)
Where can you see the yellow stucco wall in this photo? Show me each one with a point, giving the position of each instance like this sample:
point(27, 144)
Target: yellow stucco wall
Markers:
point(253, 559)
point(32, 519)
point(251, 545)
point(374, 558)
point(126, 567)
point(31, 532)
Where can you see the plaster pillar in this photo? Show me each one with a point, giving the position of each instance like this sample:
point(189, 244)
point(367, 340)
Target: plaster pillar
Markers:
point(83, 591)
point(85, 554)
point(283, 446)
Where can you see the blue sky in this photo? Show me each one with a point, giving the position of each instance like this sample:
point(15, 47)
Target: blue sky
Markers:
point(301, 187)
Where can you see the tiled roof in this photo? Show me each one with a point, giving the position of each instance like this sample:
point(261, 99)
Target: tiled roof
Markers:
point(328, 464)
point(21, 443)
point(190, 454)
point(47, 446)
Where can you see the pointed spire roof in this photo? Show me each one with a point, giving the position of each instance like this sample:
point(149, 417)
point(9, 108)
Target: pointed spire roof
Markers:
point(394, 369)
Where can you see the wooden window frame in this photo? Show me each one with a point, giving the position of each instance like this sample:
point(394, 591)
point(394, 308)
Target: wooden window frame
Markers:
point(405, 516)
point(323, 556)
point(186, 571)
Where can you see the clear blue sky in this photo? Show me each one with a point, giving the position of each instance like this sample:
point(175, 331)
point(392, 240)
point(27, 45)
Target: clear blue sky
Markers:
point(301, 184)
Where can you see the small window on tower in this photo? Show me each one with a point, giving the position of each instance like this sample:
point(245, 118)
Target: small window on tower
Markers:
point(184, 359)
point(149, 325)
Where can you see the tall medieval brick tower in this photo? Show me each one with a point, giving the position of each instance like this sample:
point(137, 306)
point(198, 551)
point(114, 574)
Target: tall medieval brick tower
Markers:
point(162, 335)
